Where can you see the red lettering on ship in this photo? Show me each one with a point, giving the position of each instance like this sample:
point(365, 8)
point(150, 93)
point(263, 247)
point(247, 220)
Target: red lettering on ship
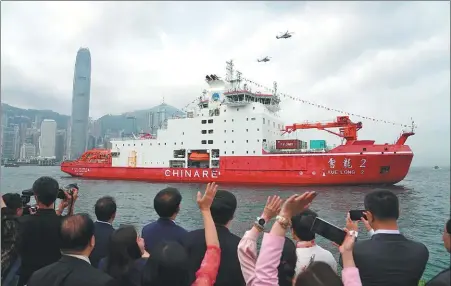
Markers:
point(213, 174)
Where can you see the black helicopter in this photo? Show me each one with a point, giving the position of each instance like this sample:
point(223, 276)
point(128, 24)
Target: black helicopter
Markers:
point(265, 59)
point(286, 35)
point(211, 77)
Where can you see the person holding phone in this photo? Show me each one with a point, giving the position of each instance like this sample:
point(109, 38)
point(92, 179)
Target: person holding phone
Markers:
point(320, 273)
point(307, 251)
point(388, 257)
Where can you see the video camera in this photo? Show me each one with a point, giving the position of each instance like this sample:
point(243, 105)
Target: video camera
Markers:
point(27, 194)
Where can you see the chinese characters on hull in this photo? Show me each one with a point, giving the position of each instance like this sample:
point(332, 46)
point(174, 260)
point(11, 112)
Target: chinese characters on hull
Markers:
point(347, 167)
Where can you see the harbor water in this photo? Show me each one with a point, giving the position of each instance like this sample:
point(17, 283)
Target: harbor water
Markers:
point(424, 196)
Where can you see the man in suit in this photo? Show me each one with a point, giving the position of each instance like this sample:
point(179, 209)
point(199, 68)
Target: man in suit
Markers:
point(388, 258)
point(444, 277)
point(39, 240)
point(74, 268)
point(105, 210)
point(229, 273)
point(167, 205)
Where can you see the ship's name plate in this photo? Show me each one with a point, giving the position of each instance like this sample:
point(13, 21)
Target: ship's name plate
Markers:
point(341, 172)
point(209, 173)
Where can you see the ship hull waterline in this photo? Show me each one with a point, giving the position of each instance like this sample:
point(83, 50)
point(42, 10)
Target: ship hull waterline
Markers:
point(385, 169)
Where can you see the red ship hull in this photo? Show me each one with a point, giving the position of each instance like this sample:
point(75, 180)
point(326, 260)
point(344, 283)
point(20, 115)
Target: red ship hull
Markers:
point(388, 166)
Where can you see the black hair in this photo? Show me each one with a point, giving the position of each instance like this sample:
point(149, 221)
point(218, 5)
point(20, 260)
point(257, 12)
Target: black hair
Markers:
point(167, 202)
point(76, 232)
point(302, 224)
point(318, 274)
point(46, 189)
point(223, 207)
point(287, 266)
point(382, 204)
point(12, 201)
point(168, 264)
point(105, 208)
point(448, 226)
point(123, 250)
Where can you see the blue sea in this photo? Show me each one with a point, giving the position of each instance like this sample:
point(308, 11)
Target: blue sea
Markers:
point(424, 196)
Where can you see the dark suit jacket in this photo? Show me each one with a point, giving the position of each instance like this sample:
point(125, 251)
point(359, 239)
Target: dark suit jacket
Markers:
point(70, 271)
point(39, 241)
point(390, 260)
point(134, 273)
point(229, 273)
point(162, 229)
point(102, 235)
point(441, 279)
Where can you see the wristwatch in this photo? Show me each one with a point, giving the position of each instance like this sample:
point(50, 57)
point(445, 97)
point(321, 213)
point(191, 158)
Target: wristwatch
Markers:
point(260, 223)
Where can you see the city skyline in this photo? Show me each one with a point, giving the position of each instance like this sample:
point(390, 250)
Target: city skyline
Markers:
point(81, 94)
point(384, 60)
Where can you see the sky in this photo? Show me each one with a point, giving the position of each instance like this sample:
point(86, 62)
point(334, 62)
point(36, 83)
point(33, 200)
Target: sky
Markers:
point(385, 60)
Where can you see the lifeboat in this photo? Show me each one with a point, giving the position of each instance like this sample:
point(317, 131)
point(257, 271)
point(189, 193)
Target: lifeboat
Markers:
point(199, 156)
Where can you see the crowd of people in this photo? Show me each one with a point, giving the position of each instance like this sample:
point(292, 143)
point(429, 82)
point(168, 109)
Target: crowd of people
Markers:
point(47, 248)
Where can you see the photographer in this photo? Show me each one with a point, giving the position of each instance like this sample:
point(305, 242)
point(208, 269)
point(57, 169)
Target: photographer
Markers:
point(11, 209)
point(39, 233)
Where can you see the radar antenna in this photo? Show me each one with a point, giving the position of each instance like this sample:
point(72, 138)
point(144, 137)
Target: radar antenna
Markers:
point(229, 69)
point(238, 79)
point(275, 88)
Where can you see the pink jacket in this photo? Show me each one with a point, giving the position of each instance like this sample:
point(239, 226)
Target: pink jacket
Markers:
point(262, 271)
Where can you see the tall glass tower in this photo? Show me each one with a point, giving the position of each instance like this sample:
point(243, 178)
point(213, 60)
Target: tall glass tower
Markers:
point(81, 93)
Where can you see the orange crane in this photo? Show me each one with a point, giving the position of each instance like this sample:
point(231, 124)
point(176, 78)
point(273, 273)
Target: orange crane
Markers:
point(347, 128)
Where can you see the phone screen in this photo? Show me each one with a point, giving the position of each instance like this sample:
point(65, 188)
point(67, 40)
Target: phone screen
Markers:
point(357, 215)
point(328, 231)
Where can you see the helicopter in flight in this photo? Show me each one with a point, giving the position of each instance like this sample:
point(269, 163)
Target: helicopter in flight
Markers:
point(286, 35)
point(265, 59)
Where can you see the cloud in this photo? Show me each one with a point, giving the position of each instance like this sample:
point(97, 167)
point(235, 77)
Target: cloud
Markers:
point(387, 60)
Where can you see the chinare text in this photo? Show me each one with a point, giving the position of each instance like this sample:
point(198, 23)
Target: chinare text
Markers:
point(192, 173)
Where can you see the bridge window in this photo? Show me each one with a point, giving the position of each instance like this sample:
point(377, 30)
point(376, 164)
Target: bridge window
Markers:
point(253, 118)
point(225, 131)
point(204, 121)
point(258, 129)
point(210, 131)
point(233, 141)
point(225, 152)
point(204, 131)
point(247, 141)
point(210, 120)
point(247, 130)
point(233, 152)
point(210, 141)
point(225, 120)
point(204, 142)
point(247, 119)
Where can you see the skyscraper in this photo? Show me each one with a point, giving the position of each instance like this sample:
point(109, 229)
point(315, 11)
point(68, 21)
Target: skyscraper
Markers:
point(81, 93)
point(47, 141)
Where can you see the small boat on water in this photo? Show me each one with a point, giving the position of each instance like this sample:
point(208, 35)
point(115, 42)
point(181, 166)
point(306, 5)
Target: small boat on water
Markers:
point(11, 165)
point(436, 167)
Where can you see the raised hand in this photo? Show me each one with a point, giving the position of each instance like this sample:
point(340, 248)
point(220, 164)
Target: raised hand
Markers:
point(366, 223)
point(296, 204)
point(204, 202)
point(351, 234)
point(272, 207)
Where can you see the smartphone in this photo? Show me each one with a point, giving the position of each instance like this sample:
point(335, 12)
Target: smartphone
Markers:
point(328, 231)
point(357, 214)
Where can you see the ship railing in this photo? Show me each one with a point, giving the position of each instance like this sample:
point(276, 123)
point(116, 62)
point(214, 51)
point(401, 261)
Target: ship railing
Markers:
point(131, 138)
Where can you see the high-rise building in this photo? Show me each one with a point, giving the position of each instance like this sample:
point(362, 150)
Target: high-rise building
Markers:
point(10, 142)
point(27, 151)
point(47, 140)
point(80, 104)
point(60, 149)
